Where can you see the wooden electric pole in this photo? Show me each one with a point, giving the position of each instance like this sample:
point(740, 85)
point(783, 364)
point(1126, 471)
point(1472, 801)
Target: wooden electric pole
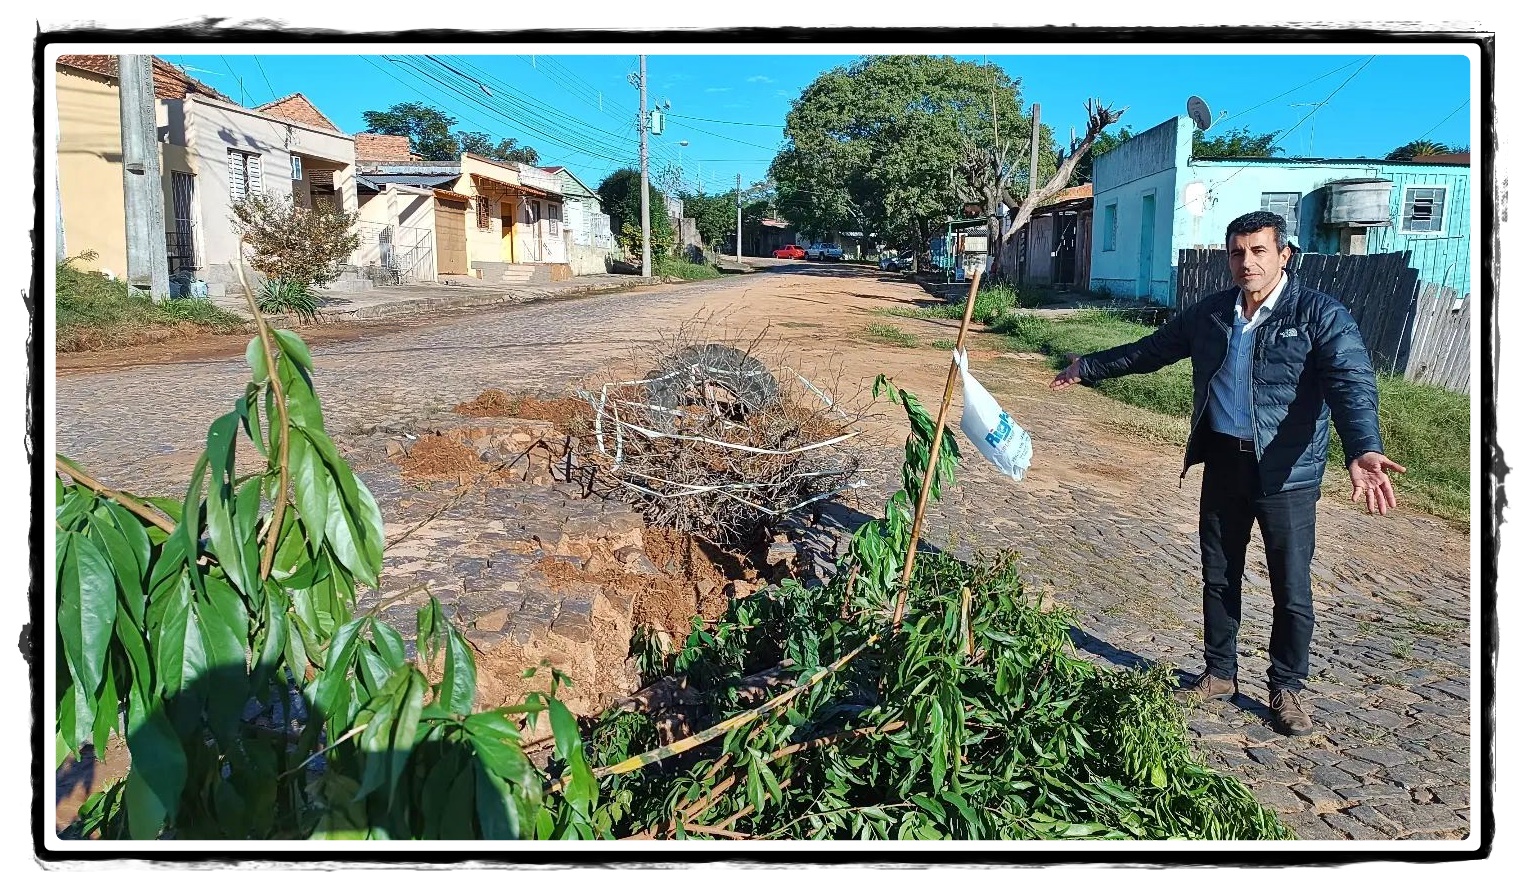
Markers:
point(645, 180)
point(142, 187)
point(738, 217)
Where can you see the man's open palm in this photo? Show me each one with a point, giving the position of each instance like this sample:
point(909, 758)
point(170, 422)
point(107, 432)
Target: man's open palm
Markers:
point(1368, 479)
point(1070, 376)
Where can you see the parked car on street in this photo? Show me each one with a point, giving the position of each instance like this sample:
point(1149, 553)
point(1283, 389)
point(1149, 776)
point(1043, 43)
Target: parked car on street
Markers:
point(789, 251)
point(892, 262)
point(812, 251)
point(830, 251)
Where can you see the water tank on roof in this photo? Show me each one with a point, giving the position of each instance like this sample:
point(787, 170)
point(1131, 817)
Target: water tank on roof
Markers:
point(1358, 203)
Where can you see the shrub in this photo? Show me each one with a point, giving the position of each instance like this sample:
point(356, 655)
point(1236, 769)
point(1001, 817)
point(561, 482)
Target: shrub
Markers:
point(292, 242)
point(672, 266)
point(277, 296)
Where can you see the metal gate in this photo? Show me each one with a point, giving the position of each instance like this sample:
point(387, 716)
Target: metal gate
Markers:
point(182, 240)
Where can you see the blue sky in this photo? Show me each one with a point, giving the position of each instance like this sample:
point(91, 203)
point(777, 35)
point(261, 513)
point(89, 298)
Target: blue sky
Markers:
point(579, 110)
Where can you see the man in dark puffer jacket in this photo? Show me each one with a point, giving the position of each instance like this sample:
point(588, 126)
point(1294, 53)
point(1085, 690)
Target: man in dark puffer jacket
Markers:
point(1271, 361)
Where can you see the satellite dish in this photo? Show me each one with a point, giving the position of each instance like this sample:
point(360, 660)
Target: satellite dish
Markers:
point(1199, 113)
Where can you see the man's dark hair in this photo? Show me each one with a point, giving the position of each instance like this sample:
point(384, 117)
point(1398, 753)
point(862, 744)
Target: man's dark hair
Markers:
point(1249, 223)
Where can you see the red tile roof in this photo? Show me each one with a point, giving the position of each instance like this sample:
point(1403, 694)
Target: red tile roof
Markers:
point(169, 82)
point(298, 108)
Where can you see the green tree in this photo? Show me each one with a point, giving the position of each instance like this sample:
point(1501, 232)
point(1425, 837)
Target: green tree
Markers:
point(874, 146)
point(1085, 170)
point(427, 129)
point(508, 150)
point(1422, 148)
point(1235, 143)
point(620, 194)
point(714, 214)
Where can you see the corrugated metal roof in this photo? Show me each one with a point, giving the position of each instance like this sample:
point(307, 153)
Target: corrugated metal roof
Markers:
point(420, 181)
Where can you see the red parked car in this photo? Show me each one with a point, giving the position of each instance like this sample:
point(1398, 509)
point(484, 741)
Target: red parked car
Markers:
point(790, 251)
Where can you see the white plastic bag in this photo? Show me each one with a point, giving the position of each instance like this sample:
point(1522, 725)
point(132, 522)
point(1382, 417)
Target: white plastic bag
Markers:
point(998, 438)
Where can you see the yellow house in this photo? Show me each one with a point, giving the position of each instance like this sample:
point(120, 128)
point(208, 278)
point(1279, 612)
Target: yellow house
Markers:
point(213, 152)
point(517, 212)
point(487, 222)
point(90, 155)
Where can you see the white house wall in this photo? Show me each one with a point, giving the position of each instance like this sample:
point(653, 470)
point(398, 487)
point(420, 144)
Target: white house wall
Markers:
point(1141, 167)
point(212, 128)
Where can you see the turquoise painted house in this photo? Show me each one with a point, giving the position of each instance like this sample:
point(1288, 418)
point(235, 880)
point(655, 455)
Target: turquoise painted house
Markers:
point(1152, 199)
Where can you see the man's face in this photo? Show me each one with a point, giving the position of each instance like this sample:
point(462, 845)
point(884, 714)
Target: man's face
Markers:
point(1254, 260)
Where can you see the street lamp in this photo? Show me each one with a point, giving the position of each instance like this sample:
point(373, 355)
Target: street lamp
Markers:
point(681, 146)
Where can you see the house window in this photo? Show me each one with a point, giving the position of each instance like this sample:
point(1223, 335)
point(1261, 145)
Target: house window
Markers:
point(1109, 227)
point(1424, 210)
point(1284, 204)
point(243, 174)
point(484, 214)
point(553, 214)
point(296, 168)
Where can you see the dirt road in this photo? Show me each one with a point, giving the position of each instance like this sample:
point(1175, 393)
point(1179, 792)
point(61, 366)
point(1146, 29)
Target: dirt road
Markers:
point(1101, 519)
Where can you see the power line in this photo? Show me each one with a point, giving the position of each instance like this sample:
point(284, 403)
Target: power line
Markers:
point(727, 138)
point(1444, 119)
point(243, 94)
point(435, 98)
point(1317, 107)
point(273, 94)
point(1289, 92)
point(498, 108)
point(726, 122)
point(537, 111)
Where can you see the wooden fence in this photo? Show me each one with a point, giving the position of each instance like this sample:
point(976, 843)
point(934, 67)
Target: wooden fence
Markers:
point(1422, 332)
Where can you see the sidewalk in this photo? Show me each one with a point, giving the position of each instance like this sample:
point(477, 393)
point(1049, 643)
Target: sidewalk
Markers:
point(426, 298)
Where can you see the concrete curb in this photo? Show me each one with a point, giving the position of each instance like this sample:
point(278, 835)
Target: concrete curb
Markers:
point(462, 297)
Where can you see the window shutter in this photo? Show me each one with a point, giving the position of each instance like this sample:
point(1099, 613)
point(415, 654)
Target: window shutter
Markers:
point(255, 184)
point(236, 169)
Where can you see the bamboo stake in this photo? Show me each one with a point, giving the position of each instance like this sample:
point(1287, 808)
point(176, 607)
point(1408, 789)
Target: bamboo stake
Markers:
point(937, 444)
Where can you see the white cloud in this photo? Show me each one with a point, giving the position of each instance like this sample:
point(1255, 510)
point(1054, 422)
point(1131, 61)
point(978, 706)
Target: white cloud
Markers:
point(760, 79)
point(718, 89)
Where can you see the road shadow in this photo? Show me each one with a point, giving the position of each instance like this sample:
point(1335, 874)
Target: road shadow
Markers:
point(1084, 640)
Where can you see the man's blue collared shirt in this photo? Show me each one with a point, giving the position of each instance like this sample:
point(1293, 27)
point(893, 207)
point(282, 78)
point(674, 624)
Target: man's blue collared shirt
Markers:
point(1228, 405)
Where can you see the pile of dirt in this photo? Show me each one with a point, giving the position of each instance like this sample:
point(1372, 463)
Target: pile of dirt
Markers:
point(568, 414)
point(693, 578)
point(436, 457)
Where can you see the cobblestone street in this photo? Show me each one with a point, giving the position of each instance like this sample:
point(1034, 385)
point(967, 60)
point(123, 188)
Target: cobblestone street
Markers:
point(1101, 521)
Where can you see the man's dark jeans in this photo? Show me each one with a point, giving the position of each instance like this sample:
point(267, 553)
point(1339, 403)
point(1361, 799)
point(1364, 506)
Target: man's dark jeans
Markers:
point(1231, 503)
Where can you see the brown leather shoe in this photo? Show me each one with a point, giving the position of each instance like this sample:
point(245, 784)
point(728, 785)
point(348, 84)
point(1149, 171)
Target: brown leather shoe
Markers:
point(1287, 716)
point(1207, 686)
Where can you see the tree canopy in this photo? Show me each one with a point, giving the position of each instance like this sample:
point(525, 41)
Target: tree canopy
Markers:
point(876, 145)
point(1085, 169)
point(430, 135)
point(1235, 143)
point(508, 150)
point(1422, 148)
point(620, 193)
point(713, 214)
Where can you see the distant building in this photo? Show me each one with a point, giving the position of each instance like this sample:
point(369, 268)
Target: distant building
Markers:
point(1153, 198)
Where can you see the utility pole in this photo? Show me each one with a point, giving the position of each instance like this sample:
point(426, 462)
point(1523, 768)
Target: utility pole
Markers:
point(738, 217)
point(142, 187)
point(1032, 172)
point(645, 187)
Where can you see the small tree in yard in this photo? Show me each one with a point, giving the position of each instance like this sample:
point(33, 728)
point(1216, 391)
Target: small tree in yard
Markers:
point(294, 247)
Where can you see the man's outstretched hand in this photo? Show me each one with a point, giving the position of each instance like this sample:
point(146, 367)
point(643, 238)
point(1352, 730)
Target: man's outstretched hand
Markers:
point(1368, 478)
point(1070, 376)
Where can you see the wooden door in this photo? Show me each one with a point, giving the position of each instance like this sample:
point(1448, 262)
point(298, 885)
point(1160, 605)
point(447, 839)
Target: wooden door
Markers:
point(450, 234)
